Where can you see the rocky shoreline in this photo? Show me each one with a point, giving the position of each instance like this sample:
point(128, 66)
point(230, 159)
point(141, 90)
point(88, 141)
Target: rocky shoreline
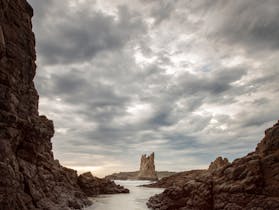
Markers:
point(93, 186)
point(30, 177)
point(250, 182)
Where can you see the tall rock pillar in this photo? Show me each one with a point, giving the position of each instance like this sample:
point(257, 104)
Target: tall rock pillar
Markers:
point(147, 168)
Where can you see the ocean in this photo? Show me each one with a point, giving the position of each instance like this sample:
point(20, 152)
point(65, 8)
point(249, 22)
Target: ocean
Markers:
point(135, 200)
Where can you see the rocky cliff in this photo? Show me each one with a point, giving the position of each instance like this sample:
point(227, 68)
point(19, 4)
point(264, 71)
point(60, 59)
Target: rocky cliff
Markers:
point(147, 168)
point(30, 177)
point(250, 182)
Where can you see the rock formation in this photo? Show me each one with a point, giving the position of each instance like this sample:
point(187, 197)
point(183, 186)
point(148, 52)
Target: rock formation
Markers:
point(93, 186)
point(30, 177)
point(147, 168)
point(218, 163)
point(146, 172)
point(176, 179)
point(250, 182)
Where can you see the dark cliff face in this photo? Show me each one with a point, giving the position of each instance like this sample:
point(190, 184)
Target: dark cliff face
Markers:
point(250, 182)
point(30, 177)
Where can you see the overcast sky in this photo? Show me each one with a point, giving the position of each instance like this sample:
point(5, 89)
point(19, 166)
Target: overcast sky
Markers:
point(187, 79)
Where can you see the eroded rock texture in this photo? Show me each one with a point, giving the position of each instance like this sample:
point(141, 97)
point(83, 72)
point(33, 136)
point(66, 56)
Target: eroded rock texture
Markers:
point(30, 177)
point(219, 162)
point(147, 168)
point(250, 182)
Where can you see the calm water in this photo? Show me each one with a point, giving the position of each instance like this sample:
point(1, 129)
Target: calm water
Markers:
point(135, 200)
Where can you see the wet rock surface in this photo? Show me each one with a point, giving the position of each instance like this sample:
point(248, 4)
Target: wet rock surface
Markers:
point(30, 177)
point(250, 182)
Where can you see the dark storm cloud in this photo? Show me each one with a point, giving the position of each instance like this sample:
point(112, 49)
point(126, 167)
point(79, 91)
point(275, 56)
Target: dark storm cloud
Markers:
point(40, 9)
point(69, 84)
point(269, 79)
point(253, 23)
point(260, 116)
point(163, 10)
point(194, 91)
point(76, 36)
point(161, 119)
point(96, 101)
point(209, 85)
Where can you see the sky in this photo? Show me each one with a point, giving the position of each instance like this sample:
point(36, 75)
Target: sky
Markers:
point(188, 80)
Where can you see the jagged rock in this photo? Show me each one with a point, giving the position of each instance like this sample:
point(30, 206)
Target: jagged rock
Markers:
point(30, 177)
point(218, 163)
point(147, 168)
point(93, 186)
point(250, 182)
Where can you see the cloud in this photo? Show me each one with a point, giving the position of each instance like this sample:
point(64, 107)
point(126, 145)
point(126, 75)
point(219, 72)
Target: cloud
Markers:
point(250, 24)
point(189, 80)
point(80, 33)
point(163, 10)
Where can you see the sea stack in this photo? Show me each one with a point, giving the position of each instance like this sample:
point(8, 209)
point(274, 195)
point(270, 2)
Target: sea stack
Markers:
point(147, 168)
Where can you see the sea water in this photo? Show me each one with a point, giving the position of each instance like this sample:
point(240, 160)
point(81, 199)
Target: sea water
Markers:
point(135, 200)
